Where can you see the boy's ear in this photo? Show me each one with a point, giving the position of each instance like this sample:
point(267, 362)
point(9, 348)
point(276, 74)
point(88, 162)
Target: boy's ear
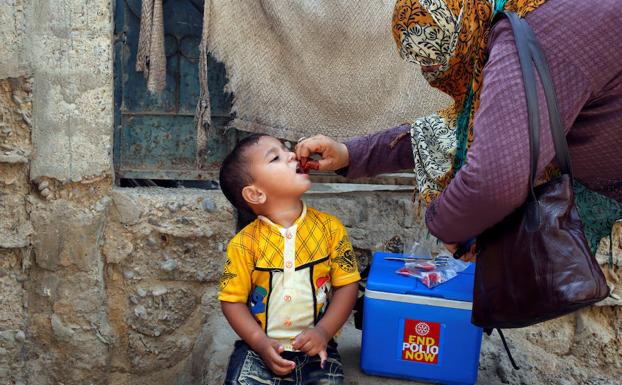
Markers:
point(253, 195)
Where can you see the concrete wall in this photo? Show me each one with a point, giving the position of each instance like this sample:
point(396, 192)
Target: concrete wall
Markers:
point(105, 285)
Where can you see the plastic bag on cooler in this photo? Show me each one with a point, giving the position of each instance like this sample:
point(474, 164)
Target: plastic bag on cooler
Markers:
point(435, 271)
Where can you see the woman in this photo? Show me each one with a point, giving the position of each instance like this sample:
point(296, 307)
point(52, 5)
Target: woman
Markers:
point(471, 160)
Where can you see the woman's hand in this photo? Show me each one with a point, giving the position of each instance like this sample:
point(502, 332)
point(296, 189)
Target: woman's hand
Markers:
point(469, 256)
point(334, 154)
point(270, 352)
point(312, 341)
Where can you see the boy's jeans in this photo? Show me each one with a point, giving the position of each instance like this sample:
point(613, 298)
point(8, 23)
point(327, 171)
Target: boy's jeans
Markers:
point(247, 368)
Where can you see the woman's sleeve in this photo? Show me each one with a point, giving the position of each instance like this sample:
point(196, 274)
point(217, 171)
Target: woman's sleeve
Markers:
point(494, 180)
point(386, 151)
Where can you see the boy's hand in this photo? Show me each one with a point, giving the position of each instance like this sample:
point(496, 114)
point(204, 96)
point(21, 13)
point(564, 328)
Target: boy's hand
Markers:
point(270, 352)
point(312, 341)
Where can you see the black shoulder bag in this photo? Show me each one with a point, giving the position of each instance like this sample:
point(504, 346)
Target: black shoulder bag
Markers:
point(536, 265)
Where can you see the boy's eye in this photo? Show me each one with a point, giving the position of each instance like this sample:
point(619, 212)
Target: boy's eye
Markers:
point(274, 159)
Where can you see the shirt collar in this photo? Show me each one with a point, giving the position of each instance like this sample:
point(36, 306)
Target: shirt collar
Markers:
point(280, 228)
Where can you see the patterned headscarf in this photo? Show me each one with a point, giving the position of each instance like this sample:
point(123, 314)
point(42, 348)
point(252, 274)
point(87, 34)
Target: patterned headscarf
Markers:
point(448, 39)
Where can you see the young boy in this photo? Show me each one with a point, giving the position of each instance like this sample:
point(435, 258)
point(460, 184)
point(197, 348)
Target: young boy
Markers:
point(281, 270)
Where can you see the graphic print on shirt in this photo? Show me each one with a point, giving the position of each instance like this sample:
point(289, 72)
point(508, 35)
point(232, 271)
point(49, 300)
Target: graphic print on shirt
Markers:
point(255, 301)
point(227, 275)
point(323, 289)
point(345, 256)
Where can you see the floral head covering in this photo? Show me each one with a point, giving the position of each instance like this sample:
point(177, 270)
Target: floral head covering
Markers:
point(448, 39)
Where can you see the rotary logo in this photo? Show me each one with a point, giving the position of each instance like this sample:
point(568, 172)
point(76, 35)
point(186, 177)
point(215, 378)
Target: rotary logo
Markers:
point(422, 329)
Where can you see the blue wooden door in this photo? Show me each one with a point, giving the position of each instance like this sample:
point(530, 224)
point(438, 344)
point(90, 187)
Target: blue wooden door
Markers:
point(155, 134)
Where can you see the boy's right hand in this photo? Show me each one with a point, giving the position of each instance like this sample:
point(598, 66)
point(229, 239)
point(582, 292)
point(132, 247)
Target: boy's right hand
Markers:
point(270, 352)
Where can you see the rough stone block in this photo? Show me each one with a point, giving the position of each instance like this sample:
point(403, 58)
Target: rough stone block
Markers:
point(127, 206)
point(70, 146)
point(596, 340)
point(62, 332)
point(12, 312)
point(160, 309)
point(13, 318)
point(154, 354)
point(555, 336)
point(173, 236)
point(12, 29)
point(15, 119)
point(117, 248)
point(211, 350)
point(71, 51)
point(15, 228)
point(67, 235)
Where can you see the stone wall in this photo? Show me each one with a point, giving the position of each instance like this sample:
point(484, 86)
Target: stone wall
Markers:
point(107, 285)
point(15, 226)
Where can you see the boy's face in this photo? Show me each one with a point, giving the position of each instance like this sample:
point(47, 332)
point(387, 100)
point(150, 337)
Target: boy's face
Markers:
point(273, 168)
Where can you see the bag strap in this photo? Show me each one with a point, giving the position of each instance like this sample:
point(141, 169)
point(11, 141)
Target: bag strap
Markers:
point(531, 96)
point(529, 50)
point(489, 331)
point(507, 349)
point(562, 153)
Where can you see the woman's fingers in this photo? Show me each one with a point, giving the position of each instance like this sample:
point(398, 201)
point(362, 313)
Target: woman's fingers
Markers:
point(327, 165)
point(334, 155)
point(306, 147)
point(471, 255)
point(451, 247)
point(317, 144)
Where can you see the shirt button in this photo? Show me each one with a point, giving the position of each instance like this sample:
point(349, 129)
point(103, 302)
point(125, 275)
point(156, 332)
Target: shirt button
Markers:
point(287, 298)
point(288, 235)
point(289, 264)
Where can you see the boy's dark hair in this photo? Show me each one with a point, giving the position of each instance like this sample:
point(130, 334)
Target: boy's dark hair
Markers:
point(234, 176)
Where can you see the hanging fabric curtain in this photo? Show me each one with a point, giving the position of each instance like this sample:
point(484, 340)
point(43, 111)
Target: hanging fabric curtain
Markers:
point(299, 68)
point(302, 67)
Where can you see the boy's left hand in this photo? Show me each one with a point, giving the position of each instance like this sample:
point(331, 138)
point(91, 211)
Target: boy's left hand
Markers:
point(312, 341)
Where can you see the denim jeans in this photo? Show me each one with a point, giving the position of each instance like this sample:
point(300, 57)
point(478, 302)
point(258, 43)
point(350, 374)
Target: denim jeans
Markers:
point(247, 368)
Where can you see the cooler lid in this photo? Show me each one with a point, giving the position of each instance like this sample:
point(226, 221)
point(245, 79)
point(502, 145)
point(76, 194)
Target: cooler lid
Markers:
point(383, 277)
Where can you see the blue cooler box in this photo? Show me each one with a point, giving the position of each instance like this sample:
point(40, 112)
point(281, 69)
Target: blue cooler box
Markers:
point(411, 331)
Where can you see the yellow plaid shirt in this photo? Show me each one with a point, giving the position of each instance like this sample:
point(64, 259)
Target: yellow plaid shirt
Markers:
point(285, 275)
